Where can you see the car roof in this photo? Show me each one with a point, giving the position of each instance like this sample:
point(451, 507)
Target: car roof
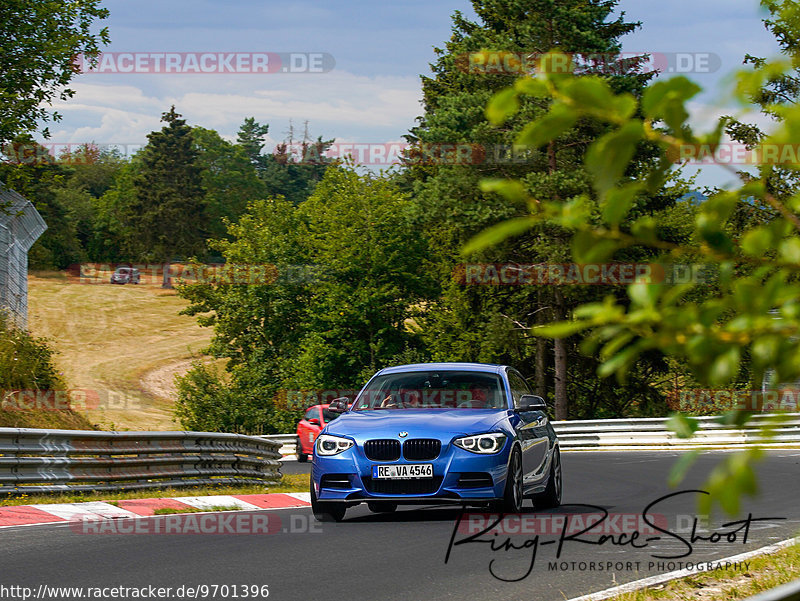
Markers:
point(482, 367)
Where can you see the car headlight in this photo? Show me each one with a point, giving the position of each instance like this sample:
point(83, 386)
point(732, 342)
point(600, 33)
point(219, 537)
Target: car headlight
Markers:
point(485, 444)
point(332, 445)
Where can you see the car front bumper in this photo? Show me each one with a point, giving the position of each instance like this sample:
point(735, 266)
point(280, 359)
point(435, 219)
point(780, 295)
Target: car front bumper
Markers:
point(452, 469)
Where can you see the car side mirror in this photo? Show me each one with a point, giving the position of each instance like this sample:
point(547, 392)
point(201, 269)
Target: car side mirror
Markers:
point(314, 421)
point(531, 402)
point(339, 405)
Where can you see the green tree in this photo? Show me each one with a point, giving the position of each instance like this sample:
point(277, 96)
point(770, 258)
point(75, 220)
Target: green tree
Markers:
point(229, 178)
point(39, 40)
point(345, 277)
point(755, 313)
point(251, 139)
point(358, 233)
point(257, 325)
point(489, 323)
point(168, 215)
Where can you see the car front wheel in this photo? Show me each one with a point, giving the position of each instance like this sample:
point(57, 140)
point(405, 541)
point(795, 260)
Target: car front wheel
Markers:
point(326, 512)
point(551, 497)
point(301, 457)
point(512, 497)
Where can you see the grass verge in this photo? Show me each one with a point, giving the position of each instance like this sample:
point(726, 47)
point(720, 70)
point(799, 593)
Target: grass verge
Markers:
point(213, 508)
point(110, 337)
point(763, 573)
point(58, 420)
point(289, 483)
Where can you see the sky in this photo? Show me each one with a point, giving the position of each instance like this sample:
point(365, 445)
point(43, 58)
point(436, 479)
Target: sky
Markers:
point(367, 57)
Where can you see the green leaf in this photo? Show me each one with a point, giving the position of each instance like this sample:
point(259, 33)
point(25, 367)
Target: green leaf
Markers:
point(560, 329)
point(664, 100)
point(734, 418)
point(619, 201)
point(757, 241)
point(532, 87)
point(588, 247)
point(684, 427)
point(497, 233)
point(645, 228)
point(538, 133)
point(681, 467)
point(644, 294)
point(590, 94)
point(790, 250)
point(608, 157)
point(502, 105)
point(725, 367)
point(510, 189)
point(615, 344)
point(619, 362)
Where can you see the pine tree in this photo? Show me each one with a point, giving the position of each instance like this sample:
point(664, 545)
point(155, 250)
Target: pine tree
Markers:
point(484, 323)
point(251, 139)
point(168, 215)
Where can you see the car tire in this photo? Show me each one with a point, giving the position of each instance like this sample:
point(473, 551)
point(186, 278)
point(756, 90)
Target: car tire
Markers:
point(382, 507)
point(326, 512)
point(301, 457)
point(513, 493)
point(551, 497)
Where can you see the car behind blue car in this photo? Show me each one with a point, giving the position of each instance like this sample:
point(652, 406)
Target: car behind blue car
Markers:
point(466, 433)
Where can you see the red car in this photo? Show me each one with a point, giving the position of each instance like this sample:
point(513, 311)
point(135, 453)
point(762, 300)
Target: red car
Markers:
point(308, 428)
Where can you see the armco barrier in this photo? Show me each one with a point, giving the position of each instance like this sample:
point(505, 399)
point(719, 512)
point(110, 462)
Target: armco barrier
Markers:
point(644, 433)
point(76, 460)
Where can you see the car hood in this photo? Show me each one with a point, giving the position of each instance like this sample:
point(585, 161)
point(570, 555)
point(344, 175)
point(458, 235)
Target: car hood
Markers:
point(419, 423)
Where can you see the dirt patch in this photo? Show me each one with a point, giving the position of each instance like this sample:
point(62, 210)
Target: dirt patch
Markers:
point(160, 382)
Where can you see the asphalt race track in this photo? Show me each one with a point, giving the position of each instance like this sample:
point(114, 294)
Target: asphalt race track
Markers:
point(401, 555)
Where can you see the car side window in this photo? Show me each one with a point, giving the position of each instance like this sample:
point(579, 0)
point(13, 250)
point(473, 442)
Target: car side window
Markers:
point(518, 387)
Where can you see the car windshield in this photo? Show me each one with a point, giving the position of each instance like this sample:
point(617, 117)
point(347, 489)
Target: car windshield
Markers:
point(123, 271)
point(432, 390)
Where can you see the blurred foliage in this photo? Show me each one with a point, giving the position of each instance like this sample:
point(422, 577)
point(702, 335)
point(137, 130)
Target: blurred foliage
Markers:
point(26, 362)
point(754, 315)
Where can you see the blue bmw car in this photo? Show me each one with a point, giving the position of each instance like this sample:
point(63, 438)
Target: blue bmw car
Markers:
point(466, 433)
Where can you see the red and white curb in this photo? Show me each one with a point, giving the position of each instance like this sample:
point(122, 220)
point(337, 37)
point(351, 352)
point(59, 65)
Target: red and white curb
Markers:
point(29, 515)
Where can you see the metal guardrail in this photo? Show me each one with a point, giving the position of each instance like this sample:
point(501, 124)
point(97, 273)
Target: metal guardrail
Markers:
point(287, 442)
point(636, 433)
point(77, 460)
point(652, 432)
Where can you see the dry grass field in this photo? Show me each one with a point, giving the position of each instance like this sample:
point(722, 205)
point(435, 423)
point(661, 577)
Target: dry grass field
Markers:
point(124, 343)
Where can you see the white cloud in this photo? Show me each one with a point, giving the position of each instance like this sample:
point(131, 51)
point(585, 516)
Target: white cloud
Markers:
point(337, 104)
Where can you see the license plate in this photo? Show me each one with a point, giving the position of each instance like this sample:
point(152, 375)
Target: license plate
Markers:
point(405, 471)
